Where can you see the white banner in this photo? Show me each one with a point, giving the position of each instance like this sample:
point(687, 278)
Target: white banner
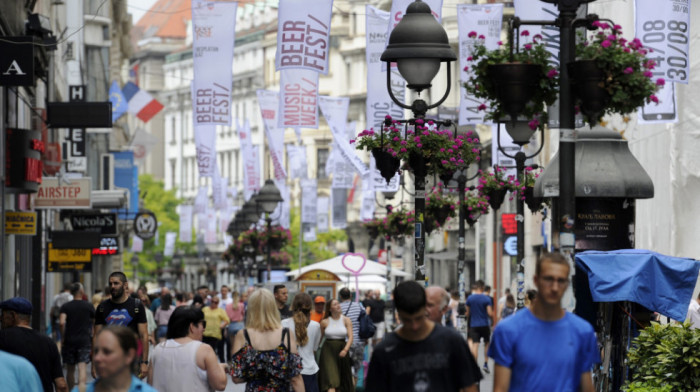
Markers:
point(185, 223)
point(538, 10)
point(342, 171)
point(367, 207)
point(213, 37)
point(201, 201)
point(339, 201)
point(322, 214)
point(269, 104)
point(303, 34)
point(335, 110)
point(136, 244)
point(485, 20)
point(169, 249)
point(298, 99)
point(219, 191)
point(296, 157)
point(251, 161)
point(210, 226)
point(281, 214)
point(308, 200)
point(507, 144)
point(664, 27)
point(379, 104)
point(205, 145)
point(225, 217)
point(663, 112)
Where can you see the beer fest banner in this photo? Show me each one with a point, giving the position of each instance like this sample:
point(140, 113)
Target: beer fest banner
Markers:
point(475, 21)
point(213, 35)
point(664, 27)
point(269, 105)
point(251, 161)
point(303, 31)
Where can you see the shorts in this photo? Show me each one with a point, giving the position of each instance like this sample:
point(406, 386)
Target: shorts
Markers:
point(73, 355)
point(162, 331)
point(357, 356)
point(381, 330)
point(477, 333)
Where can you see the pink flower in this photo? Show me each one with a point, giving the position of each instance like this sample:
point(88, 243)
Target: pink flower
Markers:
point(500, 43)
point(403, 142)
point(552, 73)
point(528, 46)
point(352, 141)
point(536, 37)
point(617, 27)
point(628, 70)
point(650, 64)
point(654, 98)
point(472, 34)
point(465, 69)
point(525, 33)
point(606, 44)
point(648, 74)
point(482, 107)
point(612, 37)
point(533, 123)
point(442, 150)
point(482, 36)
point(470, 58)
point(660, 82)
point(419, 145)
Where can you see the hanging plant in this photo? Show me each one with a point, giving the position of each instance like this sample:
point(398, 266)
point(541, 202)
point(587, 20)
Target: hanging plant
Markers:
point(523, 187)
point(476, 205)
point(439, 208)
point(533, 82)
point(423, 146)
point(373, 227)
point(280, 258)
point(624, 73)
point(398, 222)
point(278, 237)
point(494, 186)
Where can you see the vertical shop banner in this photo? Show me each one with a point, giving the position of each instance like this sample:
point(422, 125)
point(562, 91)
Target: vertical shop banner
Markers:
point(484, 20)
point(201, 201)
point(269, 106)
point(136, 244)
point(169, 249)
point(251, 161)
point(309, 189)
point(213, 38)
point(298, 99)
point(185, 223)
point(322, 214)
point(282, 212)
point(303, 34)
point(219, 190)
point(379, 104)
point(664, 27)
point(342, 171)
point(205, 145)
point(335, 111)
point(296, 157)
point(339, 212)
point(209, 226)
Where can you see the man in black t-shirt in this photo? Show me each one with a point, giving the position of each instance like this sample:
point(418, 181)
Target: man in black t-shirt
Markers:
point(421, 355)
point(374, 306)
point(123, 310)
point(281, 295)
point(17, 337)
point(76, 320)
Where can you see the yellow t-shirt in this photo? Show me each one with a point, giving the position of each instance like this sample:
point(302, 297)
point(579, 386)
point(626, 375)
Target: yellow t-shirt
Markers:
point(214, 317)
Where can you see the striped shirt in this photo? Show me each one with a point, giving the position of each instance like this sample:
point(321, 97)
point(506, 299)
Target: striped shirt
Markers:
point(353, 314)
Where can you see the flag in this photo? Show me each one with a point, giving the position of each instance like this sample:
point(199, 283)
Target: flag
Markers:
point(119, 104)
point(141, 103)
point(134, 73)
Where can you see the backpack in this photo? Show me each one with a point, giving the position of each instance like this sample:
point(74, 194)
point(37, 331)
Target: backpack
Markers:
point(367, 328)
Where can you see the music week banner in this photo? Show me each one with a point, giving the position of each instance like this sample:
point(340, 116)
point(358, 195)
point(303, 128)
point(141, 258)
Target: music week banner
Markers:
point(269, 105)
point(251, 161)
point(298, 102)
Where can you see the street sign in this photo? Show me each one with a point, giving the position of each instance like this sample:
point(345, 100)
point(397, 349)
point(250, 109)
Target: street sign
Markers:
point(145, 225)
point(57, 194)
point(101, 223)
point(68, 260)
point(20, 223)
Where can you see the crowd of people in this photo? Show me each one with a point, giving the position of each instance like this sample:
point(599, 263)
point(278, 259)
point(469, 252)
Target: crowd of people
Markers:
point(198, 341)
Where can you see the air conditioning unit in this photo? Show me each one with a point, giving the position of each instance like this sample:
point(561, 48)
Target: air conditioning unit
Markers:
point(117, 198)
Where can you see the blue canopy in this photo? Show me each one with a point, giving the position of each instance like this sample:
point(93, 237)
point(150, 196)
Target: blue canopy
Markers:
point(660, 283)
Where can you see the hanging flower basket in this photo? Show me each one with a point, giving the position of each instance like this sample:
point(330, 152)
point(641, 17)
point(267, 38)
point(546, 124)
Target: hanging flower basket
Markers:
point(476, 205)
point(418, 164)
point(496, 197)
point(533, 203)
point(373, 227)
point(515, 84)
point(398, 223)
point(386, 163)
point(278, 237)
point(588, 82)
point(439, 207)
point(446, 176)
point(494, 186)
point(523, 188)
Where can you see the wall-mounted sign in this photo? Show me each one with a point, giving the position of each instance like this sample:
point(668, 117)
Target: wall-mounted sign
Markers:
point(510, 226)
point(57, 194)
point(604, 224)
point(17, 61)
point(145, 225)
point(318, 274)
point(510, 245)
point(20, 223)
point(24, 166)
point(108, 246)
point(60, 260)
point(101, 223)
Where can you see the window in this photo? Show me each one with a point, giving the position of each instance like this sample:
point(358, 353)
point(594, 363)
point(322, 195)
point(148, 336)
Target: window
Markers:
point(173, 177)
point(173, 130)
point(321, 159)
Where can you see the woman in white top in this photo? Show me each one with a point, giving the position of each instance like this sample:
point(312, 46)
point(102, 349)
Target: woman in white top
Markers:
point(182, 362)
point(308, 337)
point(336, 371)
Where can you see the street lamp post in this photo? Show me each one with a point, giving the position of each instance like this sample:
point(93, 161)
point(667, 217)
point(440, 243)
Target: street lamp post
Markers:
point(418, 44)
point(268, 199)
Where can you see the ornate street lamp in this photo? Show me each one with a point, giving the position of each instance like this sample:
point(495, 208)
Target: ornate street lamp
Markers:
point(268, 199)
point(418, 44)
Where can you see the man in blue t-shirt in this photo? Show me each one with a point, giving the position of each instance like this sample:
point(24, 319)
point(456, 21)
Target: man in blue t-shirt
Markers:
point(545, 348)
point(479, 311)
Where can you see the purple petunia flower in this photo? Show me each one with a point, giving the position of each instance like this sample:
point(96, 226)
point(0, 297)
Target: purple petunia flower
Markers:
point(628, 70)
point(606, 44)
point(472, 34)
point(660, 82)
point(482, 107)
point(525, 33)
point(552, 73)
point(528, 46)
point(654, 98)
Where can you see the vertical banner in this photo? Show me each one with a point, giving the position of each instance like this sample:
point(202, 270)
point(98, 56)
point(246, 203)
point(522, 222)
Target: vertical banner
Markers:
point(368, 193)
point(308, 199)
point(251, 161)
point(335, 110)
point(379, 104)
point(136, 244)
point(298, 103)
point(269, 105)
point(664, 27)
point(296, 157)
point(219, 191)
point(185, 223)
point(225, 217)
point(339, 217)
point(205, 145)
point(201, 201)
point(169, 249)
point(484, 20)
point(303, 31)
point(283, 209)
point(322, 214)
point(209, 226)
point(213, 37)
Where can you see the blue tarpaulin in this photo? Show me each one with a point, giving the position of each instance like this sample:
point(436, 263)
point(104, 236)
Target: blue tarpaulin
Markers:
point(660, 283)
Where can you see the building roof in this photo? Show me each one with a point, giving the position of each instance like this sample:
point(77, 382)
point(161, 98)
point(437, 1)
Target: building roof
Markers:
point(165, 19)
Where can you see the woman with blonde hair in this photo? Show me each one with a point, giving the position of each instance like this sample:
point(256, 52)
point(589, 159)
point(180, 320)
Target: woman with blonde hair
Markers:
point(266, 356)
point(308, 336)
point(336, 366)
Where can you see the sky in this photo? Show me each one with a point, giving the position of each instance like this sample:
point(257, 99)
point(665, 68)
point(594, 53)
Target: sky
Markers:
point(138, 7)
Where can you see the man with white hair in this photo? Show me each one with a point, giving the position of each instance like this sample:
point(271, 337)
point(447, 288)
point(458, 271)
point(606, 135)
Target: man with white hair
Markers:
point(437, 301)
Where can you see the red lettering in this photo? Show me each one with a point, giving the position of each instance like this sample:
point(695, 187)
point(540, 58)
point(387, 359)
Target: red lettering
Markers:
point(292, 25)
point(290, 61)
point(291, 37)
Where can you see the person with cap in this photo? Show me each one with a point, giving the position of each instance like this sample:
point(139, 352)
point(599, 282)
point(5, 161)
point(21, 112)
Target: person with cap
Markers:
point(317, 311)
point(17, 337)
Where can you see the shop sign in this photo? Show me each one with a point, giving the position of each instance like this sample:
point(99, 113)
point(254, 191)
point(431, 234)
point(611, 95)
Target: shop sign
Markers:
point(60, 260)
point(17, 61)
point(20, 223)
point(57, 194)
